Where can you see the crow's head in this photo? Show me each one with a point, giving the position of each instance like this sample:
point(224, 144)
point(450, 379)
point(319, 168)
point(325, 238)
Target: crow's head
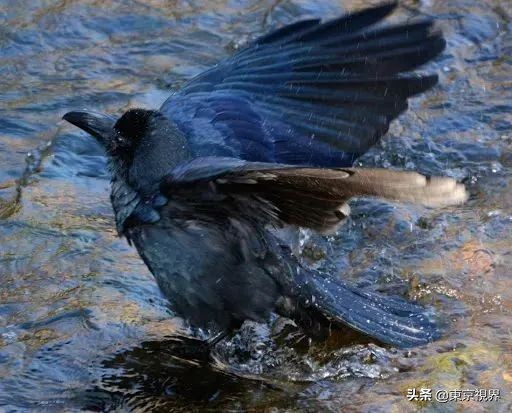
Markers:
point(120, 137)
point(143, 142)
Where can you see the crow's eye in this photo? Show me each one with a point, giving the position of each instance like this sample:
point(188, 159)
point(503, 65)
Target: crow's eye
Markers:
point(119, 144)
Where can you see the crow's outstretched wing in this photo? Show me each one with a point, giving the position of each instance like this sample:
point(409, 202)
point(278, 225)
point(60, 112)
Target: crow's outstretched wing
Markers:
point(310, 93)
point(303, 196)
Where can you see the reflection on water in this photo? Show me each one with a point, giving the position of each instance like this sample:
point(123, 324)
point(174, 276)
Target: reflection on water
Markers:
point(82, 323)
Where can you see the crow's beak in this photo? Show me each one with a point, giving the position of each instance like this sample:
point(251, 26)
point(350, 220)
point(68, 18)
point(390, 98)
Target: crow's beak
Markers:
point(97, 124)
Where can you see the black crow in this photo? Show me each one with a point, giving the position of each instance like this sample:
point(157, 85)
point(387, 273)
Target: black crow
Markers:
point(263, 140)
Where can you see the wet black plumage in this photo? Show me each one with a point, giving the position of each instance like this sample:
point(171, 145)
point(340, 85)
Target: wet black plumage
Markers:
point(266, 139)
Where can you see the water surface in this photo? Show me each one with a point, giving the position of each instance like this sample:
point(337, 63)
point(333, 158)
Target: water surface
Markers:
point(82, 323)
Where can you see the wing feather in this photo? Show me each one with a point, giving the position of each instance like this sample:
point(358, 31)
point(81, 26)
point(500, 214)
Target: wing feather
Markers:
point(308, 197)
point(311, 93)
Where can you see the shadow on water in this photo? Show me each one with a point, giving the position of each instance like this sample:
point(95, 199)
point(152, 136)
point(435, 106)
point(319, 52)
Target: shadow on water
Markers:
point(177, 372)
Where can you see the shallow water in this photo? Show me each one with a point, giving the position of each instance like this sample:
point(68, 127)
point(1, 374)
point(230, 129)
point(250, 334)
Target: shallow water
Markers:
point(82, 324)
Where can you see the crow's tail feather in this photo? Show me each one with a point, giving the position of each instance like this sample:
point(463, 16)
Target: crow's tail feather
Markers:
point(390, 320)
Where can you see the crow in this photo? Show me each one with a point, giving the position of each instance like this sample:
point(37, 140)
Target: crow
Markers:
point(266, 139)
